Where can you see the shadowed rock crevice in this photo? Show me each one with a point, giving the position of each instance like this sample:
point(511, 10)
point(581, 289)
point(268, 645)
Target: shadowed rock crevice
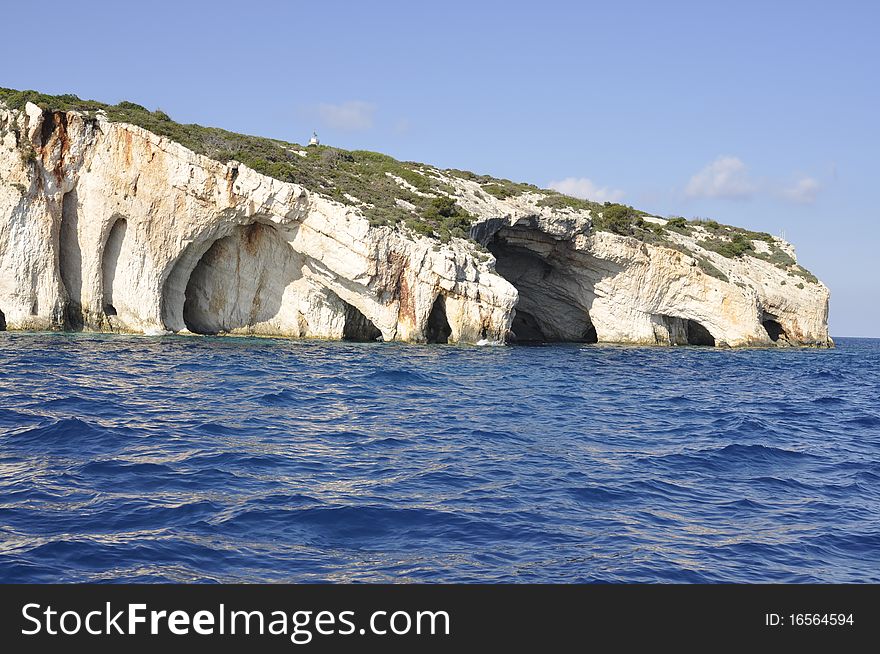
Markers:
point(590, 335)
point(551, 305)
point(699, 335)
point(173, 298)
point(358, 327)
point(438, 329)
point(526, 329)
point(70, 261)
point(110, 263)
point(2, 322)
point(774, 330)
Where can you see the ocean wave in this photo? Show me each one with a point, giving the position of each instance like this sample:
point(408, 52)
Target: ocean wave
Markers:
point(65, 435)
point(865, 420)
point(268, 460)
point(758, 453)
point(278, 398)
point(399, 377)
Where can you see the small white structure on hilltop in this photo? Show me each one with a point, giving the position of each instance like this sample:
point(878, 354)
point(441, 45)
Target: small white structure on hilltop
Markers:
point(314, 140)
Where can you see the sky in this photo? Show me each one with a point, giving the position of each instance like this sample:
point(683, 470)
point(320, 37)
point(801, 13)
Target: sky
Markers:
point(758, 114)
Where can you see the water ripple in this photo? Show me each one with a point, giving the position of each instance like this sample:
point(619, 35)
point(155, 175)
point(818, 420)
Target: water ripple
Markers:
point(127, 459)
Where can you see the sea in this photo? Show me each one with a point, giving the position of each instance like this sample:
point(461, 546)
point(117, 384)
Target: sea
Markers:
point(227, 459)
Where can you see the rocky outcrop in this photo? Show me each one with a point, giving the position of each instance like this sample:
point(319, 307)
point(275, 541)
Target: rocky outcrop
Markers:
point(106, 226)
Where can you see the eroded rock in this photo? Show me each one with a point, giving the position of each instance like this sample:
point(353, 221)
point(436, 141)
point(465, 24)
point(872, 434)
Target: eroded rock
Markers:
point(108, 227)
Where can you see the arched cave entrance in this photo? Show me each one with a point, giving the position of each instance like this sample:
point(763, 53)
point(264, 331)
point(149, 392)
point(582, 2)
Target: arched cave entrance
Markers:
point(774, 329)
point(358, 327)
point(2, 322)
point(110, 262)
point(238, 282)
point(528, 330)
point(550, 306)
point(249, 280)
point(438, 329)
point(699, 335)
point(672, 330)
point(70, 260)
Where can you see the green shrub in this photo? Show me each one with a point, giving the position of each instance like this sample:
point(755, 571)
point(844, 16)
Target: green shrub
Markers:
point(556, 200)
point(618, 218)
point(67, 102)
point(755, 236)
point(777, 256)
point(470, 176)
point(800, 271)
point(711, 225)
point(498, 191)
point(504, 188)
point(125, 105)
point(444, 206)
point(420, 227)
point(737, 246)
point(709, 268)
point(462, 174)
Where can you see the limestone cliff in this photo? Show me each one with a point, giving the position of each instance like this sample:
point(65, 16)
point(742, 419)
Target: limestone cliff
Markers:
point(107, 226)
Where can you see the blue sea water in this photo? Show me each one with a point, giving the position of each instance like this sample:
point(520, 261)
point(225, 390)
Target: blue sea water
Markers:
point(150, 459)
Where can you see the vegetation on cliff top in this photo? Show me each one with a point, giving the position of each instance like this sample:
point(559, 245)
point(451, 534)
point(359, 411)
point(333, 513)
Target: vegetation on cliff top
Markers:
point(366, 179)
point(391, 192)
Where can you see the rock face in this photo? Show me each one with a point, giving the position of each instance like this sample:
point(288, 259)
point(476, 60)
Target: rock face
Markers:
point(108, 227)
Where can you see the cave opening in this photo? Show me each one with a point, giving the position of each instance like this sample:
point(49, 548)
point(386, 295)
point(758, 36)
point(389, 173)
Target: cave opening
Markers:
point(70, 261)
point(774, 330)
point(525, 329)
point(551, 306)
point(358, 327)
point(2, 322)
point(590, 335)
point(200, 308)
point(110, 262)
point(697, 334)
point(438, 329)
point(237, 284)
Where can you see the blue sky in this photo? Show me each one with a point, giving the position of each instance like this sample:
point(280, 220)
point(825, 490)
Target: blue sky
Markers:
point(757, 114)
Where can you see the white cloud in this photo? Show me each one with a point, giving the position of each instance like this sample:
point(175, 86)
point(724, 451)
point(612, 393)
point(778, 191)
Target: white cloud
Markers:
point(726, 177)
point(402, 126)
point(353, 115)
point(803, 191)
point(581, 187)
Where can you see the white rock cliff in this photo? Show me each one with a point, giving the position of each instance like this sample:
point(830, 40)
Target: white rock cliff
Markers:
point(108, 227)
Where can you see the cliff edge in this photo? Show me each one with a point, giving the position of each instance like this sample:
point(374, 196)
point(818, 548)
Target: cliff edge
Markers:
point(114, 218)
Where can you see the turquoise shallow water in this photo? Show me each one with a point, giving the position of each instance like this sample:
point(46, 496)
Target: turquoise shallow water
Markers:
point(232, 459)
